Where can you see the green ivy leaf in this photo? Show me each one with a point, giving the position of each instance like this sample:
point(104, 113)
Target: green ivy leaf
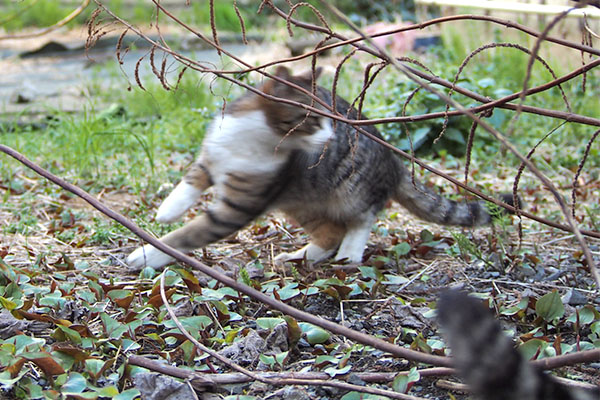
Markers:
point(401, 249)
point(9, 305)
point(129, 394)
point(196, 323)
point(392, 279)
point(107, 391)
point(403, 382)
point(530, 348)
point(129, 345)
point(587, 315)
point(268, 360)
point(70, 334)
point(314, 334)
point(333, 371)
point(269, 322)
point(550, 306)
point(281, 357)
point(362, 396)
point(288, 291)
point(76, 384)
point(8, 381)
point(114, 329)
point(93, 366)
point(522, 306)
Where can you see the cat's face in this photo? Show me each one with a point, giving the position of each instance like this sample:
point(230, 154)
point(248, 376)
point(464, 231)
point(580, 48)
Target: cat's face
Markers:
point(284, 126)
point(288, 119)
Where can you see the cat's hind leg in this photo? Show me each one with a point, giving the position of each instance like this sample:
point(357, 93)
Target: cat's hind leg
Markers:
point(325, 237)
point(354, 242)
point(226, 216)
point(185, 194)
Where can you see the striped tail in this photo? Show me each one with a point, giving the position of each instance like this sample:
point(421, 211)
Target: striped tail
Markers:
point(430, 206)
point(487, 359)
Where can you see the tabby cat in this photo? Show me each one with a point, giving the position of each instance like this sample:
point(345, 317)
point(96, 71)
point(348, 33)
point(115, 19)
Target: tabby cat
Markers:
point(487, 359)
point(262, 155)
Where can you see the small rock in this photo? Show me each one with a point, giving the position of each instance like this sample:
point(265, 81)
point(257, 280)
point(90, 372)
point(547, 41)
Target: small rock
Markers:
point(356, 380)
point(25, 93)
point(160, 387)
point(410, 316)
point(277, 341)
point(554, 276)
point(255, 271)
point(574, 297)
point(246, 350)
point(183, 309)
point(9, 325)
point(293, 393)
point(527, 270)
point(258, 387)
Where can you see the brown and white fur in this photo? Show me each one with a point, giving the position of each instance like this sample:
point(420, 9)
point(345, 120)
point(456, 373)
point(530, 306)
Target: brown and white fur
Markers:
point(262, 155)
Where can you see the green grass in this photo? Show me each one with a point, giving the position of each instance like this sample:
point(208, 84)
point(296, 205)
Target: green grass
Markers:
point(126, 144)
point(41, 13)
point(135, 134)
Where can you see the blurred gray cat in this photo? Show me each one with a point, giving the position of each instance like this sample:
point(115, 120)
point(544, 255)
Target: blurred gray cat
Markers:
point(487, 359)
point(263, 155)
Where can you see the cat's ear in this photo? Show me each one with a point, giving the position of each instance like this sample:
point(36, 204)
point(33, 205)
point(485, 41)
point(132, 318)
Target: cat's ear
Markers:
point(283, 72)
point(270, 86)
point(308, 75)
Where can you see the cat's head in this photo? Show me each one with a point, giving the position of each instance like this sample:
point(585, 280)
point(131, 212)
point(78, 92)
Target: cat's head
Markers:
point(286, 118)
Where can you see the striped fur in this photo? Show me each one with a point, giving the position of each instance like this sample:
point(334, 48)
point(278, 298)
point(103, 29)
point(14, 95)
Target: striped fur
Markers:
point(487, 359)
point(263, 155)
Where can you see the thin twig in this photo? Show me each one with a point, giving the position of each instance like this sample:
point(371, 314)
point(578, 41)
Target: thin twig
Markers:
point(336, 116)
point(497, 135)
point(251, 292)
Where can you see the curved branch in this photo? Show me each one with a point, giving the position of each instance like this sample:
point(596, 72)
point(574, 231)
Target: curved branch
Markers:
point(251, 292)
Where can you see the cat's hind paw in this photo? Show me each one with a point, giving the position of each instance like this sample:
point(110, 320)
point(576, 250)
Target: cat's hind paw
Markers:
point(178, 202)
point(148, 256)
point(311, 252)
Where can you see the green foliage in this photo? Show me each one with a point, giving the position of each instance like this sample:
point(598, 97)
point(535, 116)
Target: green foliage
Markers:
point(42, 13)
point(145, 138)
point(403, 382)
point(96, 146)
point(39, 13)
point(550, 306)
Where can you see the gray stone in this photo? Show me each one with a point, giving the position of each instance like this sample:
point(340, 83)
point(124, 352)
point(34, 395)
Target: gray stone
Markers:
point(154, 386)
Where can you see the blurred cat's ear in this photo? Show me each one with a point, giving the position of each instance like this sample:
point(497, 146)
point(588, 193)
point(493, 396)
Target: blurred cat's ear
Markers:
point(270, 85)
point(283, 72)
point(308, 75)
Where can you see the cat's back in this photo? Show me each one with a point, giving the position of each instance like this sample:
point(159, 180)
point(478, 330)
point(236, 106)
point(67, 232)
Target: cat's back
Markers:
point(349, 174)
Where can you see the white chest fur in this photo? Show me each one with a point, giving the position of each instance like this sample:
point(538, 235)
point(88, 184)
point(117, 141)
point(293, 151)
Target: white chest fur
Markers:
point(242, 142)
point(246, 143)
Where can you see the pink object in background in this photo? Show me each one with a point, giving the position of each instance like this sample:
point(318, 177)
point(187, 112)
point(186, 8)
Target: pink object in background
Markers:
point(398, 43)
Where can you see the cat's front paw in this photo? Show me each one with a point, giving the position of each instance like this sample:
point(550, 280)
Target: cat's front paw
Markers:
point(178, 202)
point(280, 259)
point(148, 256)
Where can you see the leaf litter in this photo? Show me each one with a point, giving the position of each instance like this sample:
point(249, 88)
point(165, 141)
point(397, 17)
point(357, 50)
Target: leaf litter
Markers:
point(77, 312)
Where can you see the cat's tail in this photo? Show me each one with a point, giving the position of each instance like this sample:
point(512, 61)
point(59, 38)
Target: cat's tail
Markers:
point(487, 359)
point(430, 206)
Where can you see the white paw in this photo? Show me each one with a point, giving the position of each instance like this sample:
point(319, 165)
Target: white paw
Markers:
point(353, 246)
point(312, 253)
point(178, 202)
point(283, 257)
point(352, 256)
point(148, 256)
